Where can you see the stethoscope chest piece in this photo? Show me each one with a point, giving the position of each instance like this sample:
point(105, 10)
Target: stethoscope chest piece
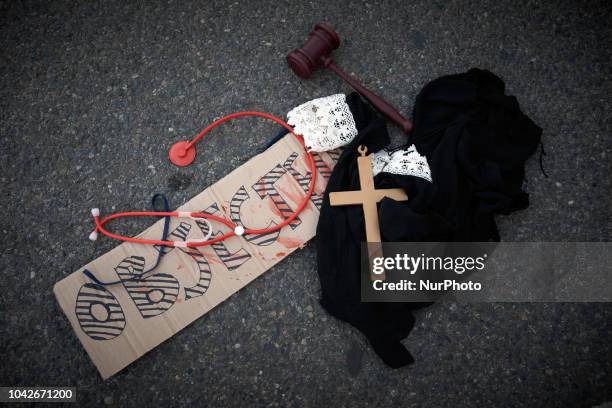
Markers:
point(182, 153)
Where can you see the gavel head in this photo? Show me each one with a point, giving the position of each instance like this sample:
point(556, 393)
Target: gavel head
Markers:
point(321, 42)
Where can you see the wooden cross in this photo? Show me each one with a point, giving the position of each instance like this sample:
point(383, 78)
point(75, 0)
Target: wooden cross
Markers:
point(368, 197)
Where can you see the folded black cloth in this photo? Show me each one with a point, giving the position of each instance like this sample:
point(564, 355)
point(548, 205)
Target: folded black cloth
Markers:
point(476, 140)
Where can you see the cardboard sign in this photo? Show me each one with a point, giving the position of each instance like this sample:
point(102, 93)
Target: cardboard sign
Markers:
point(119, 323)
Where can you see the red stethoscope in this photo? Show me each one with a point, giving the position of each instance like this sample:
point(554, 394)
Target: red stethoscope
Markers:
point(182, 154)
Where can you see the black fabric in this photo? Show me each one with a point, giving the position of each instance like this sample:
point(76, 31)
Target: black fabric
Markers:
point(476, 141)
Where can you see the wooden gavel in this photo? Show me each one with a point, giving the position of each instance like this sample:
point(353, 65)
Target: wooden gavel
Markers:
point(315, 53)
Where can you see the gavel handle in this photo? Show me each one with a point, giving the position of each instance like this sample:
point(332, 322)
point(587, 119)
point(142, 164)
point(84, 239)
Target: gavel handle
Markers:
point(383, 106)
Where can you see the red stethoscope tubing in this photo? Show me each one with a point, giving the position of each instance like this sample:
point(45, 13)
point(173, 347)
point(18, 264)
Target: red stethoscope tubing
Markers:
point(100, 223)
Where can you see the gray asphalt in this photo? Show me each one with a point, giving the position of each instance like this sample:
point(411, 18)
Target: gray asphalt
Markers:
point(92, 95)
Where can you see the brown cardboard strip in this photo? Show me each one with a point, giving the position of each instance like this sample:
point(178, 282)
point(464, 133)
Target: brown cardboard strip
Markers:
point(118, 324)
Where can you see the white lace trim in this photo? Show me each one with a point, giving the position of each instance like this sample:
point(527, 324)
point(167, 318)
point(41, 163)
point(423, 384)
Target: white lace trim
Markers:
point(407, 162)
point(325, 123)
